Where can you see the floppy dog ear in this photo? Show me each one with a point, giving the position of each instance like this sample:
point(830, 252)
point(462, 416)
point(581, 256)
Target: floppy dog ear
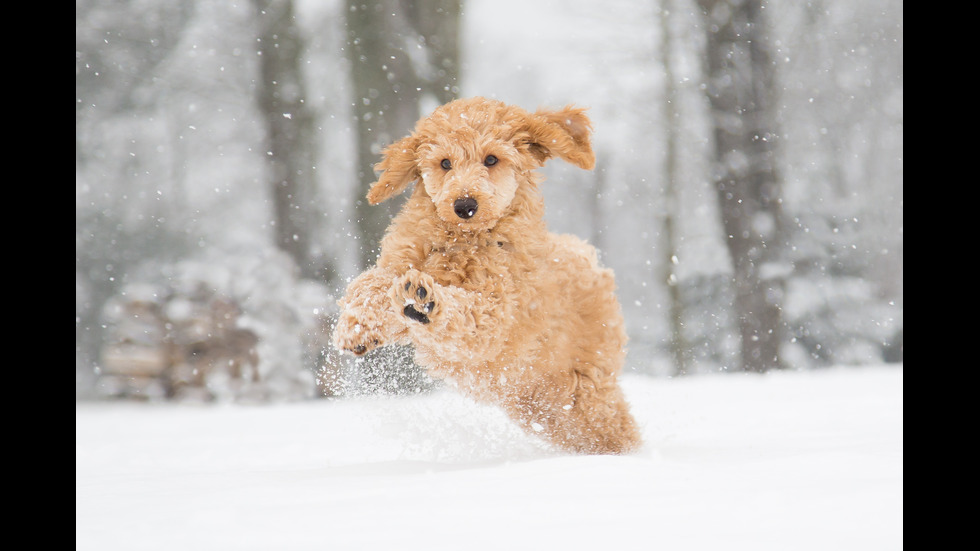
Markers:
point(565, 132)
point(399, 168)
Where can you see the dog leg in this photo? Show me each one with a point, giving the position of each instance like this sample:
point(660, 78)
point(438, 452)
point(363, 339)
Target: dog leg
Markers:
point(578, 412)
point(366, 321)
point(445, 321)
point(598, 422)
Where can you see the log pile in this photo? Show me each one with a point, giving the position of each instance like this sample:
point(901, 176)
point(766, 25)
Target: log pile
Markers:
point(176, 344)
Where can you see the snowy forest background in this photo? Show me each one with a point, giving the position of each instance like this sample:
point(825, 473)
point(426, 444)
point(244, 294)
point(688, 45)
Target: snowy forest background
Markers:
point(222, 152)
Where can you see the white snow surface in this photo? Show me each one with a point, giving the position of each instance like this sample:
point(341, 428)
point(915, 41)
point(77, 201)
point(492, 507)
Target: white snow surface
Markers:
point(783, 461)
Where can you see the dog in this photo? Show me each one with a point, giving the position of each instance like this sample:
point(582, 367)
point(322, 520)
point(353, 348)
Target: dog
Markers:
point(492, 302)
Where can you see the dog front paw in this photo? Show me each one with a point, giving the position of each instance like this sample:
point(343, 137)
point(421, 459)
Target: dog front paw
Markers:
point(414, 294)
point(356, 336)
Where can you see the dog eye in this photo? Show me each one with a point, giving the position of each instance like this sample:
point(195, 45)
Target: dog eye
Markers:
point(490, 160)
point(446, 164)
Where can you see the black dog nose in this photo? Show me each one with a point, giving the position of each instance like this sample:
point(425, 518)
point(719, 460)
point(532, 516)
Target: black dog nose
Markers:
point(465, 207)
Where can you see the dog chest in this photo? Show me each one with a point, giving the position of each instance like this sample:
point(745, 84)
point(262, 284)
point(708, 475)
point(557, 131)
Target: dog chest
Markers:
point(467, 265)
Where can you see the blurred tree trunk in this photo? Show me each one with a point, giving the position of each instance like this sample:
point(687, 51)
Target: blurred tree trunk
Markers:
point(399, 51)
point(290, 146)
point(679, 349)
point(599, 222)
point(437, 22)
point(741, 77)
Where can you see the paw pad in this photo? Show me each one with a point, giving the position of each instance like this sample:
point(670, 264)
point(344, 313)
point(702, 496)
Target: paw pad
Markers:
point(421, 316)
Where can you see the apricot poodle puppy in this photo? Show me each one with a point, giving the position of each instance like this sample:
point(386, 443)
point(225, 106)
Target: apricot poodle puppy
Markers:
point(493, 303)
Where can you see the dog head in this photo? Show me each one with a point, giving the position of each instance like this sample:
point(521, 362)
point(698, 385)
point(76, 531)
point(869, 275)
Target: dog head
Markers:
point(472, 156)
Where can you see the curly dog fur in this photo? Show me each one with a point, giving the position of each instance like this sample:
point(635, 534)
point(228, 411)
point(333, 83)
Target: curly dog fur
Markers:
point(469, 274)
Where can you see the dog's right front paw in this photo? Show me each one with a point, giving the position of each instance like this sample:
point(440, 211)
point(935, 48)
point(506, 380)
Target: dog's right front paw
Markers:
point(351, 335)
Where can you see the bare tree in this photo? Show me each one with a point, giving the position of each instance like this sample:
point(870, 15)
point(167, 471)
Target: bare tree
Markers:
point(280, 92)
point(679, 349)
point(740, 83)
point(399, 51)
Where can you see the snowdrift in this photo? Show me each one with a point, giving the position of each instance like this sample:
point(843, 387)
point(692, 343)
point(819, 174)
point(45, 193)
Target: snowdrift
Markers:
point(793, 460)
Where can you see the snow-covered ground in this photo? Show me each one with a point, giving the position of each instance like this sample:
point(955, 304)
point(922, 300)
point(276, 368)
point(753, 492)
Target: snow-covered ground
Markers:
point(786, 461)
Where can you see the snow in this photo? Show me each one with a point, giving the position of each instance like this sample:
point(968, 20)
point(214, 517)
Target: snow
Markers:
point(788, 460)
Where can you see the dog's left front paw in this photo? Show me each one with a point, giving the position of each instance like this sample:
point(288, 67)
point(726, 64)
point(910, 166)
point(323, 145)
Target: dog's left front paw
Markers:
point(414, 294)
